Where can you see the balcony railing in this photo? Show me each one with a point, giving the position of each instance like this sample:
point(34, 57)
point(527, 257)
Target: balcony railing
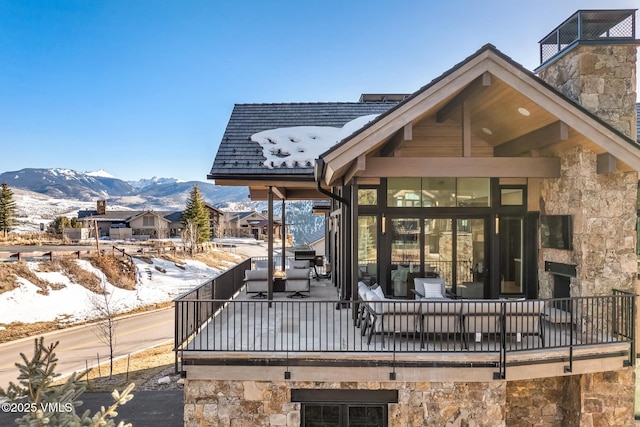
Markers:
point(499, 327)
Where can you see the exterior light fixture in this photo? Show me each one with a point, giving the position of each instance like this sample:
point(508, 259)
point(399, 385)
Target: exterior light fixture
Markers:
point(384, 224)
point(487, 131)
point(524, 111)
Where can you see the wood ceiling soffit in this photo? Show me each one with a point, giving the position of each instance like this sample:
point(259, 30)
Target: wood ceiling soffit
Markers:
point(469, 93)
point(261, 193)
point(535, 140)
point(338, 159)
point(577, 120)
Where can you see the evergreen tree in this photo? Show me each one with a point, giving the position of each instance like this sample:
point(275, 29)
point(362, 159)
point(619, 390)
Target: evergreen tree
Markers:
point(197, 213)
point(59, 223)
point(7, 209)
point(49, 405)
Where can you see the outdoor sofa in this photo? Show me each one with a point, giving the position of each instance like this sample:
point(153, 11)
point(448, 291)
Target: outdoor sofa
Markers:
point(433, 313)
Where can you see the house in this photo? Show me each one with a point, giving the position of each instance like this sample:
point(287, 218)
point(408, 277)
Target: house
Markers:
point(316, 241)
point(137, 224)
point(216, 221)
point(250, 224)
point(506, 183)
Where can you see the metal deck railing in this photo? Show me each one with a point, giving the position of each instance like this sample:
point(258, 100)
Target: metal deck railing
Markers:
point(207, 321)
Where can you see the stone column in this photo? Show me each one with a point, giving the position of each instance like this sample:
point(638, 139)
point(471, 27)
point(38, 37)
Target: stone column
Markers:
point(601, 78)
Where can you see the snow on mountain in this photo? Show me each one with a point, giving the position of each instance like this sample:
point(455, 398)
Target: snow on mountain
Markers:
point(142, 183)
point(41, 195)
point(100, 173)
point(154, 193)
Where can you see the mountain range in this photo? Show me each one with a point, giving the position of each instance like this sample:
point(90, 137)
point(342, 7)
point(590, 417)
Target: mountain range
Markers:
point(43, 194)
point(154, 193)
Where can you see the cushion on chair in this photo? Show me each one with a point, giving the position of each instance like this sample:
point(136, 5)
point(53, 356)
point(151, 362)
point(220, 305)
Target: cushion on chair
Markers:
point(299, 264)
point(377, 291)
point(430, 287)
point(255, 275)
point(296, 273)
point(432, 290)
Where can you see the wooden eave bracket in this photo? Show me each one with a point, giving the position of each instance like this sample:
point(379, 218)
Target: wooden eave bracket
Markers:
point(607, 163)
point(357, 168)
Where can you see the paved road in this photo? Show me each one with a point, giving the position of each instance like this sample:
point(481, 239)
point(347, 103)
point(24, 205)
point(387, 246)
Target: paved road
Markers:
point(147, 409)
point(79, 345)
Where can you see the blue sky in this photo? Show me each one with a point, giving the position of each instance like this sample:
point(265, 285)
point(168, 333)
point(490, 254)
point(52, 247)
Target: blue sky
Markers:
point(145, 88)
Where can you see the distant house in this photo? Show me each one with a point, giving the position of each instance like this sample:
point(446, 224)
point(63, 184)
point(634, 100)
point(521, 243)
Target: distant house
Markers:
point(132, 224)
point(216, 221)
point(249, 224)
point(316, 241)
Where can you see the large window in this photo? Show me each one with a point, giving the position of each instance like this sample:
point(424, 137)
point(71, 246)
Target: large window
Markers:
point(368, 249)
point(344, 408)
point(367, 197)
point(438, 192)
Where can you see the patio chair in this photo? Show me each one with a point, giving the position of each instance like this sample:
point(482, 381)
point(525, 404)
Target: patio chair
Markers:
point(257, 282)
point(297, 280)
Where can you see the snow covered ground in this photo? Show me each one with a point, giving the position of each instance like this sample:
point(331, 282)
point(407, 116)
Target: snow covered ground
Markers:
point(74, 303)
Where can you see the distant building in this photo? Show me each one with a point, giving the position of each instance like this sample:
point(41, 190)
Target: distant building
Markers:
point(249, 224)
point(140, 224)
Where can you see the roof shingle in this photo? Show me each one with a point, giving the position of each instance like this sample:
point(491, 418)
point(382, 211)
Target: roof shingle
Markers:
point(238, 155)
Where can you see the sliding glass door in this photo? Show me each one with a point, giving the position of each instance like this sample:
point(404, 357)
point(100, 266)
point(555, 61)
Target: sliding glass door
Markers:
point(449, 247)
point(471, 266)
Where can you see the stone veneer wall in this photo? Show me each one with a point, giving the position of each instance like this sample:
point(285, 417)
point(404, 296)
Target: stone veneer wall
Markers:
point(602, 399)
point(603, 208)
point(589, 400)
point(255, 403)
point(601, 78)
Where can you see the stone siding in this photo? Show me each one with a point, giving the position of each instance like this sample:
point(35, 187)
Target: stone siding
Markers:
point(588, 400)
point(601, 78)
point(602, 399)
point(603, 209)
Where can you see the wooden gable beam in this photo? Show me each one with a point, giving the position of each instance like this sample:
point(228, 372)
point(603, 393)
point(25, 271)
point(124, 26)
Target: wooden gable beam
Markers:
point(466, 130)
point(476, 167)
point(281, 193)
point(540, 138)
point(473, 90)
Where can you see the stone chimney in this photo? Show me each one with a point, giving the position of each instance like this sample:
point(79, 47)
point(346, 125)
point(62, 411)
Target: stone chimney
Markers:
point(591, 58)
point(101, 207)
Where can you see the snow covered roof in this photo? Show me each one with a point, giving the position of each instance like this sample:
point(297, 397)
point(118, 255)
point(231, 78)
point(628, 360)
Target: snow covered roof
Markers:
point(300, 145)
point(242, 153)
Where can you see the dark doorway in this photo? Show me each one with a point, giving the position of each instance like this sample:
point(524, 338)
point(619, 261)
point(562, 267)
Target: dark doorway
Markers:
point(562, 289)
